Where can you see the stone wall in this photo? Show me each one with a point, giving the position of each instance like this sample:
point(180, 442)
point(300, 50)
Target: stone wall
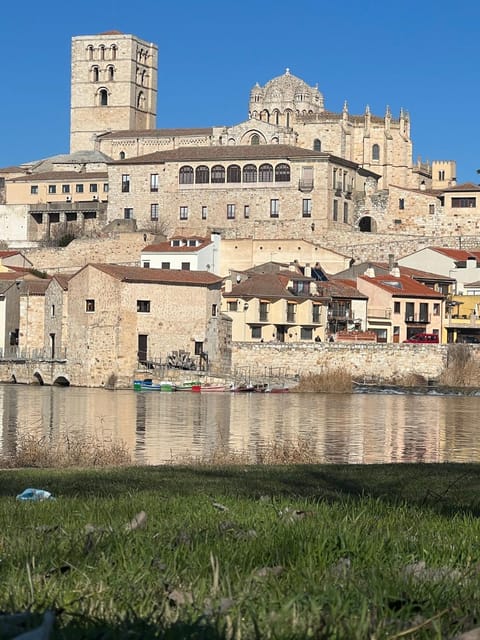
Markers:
point(379, 360)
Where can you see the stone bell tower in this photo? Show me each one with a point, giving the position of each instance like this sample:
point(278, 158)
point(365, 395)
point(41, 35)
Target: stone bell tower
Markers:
point(113, 86)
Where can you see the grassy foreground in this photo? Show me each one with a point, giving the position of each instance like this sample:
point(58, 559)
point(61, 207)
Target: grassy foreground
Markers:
point(302, 551)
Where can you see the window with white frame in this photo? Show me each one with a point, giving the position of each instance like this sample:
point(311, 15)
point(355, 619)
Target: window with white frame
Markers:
point(230, 211)
point(204, 212)
point(128, 213)
point(143, 306)
point(307, 207)
point(246, 211)
point(154, 211)
point(89, 305)
point(125, 183)
point(274, 208)
point(183, 213)
point(154, 182)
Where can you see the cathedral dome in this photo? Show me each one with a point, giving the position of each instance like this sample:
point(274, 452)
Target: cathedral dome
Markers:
point(287, 92)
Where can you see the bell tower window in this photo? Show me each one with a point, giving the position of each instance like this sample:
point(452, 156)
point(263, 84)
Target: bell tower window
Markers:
point(95, 74)
point(111, 72)
point(375, 152)
point(103, 95)
point(317, 145)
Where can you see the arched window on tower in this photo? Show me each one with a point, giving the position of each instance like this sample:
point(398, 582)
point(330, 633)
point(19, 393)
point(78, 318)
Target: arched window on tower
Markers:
point(287, 118)
point(234, 173)
point(249, 173)
point(95, 74)
point(375, 152)
point(102, 52)
point(282, 172)
point(185, 175)
point(255, 139)
point(122, 155)
point(202, 175)
point(113, 52)
point(265, 173)
point(317, 145)
point(141, 101)
point(90, 52)
point(103, 97)
point(111, 72)
point(144, 78)
point(276, 116)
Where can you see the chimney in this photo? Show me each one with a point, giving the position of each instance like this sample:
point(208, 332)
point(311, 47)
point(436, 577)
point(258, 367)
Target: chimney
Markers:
point(228, 285)
point(423, 185)
point(313, 289)
point(292, 267)
point(370, 272)
point(395, 271)
point(307, 271)
point(391, 262)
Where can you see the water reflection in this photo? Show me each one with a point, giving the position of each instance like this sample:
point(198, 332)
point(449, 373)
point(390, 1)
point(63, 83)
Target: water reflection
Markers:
point(160, 427)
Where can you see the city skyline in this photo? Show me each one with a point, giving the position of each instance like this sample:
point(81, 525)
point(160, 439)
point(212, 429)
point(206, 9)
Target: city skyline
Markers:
point(419, 58)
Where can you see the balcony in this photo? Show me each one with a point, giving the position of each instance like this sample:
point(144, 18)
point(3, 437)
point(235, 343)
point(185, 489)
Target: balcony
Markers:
point(417, 318)
point(382, 313)
point(85, 205)
point(459, 321)
point(305, 186)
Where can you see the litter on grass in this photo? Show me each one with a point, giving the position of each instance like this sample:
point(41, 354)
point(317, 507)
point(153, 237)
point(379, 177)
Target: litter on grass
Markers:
point(35, 495)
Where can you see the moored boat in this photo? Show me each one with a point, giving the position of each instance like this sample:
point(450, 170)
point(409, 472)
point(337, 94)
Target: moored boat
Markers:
point(148, 385)
point(219, 388)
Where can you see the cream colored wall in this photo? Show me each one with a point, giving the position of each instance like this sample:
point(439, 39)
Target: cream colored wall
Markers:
point(20, 192)
point(32, 325)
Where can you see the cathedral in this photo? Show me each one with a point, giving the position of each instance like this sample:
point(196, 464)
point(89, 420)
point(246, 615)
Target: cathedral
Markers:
point(292, 169)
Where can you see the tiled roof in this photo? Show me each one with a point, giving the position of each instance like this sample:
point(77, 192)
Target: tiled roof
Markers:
point(402, 287)
point(157, 133)
point(36, 287)
point(62, 176)
point(465, 186)
point(457, 254)
point(233, 152)
point(342, 288)
point(63, 279)
point(413, 273)
point(157, 276)
point(166, 247)
point(272, 286)
point(8, 254)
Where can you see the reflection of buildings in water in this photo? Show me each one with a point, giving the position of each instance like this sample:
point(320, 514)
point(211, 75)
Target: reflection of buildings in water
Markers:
point(160, 427)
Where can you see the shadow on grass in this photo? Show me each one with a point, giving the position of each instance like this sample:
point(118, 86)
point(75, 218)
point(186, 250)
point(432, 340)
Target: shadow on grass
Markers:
point(446, 488)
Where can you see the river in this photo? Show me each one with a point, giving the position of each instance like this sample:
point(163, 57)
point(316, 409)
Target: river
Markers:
point(159, 427)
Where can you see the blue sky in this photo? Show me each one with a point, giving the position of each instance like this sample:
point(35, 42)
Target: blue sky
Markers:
point(422, 56)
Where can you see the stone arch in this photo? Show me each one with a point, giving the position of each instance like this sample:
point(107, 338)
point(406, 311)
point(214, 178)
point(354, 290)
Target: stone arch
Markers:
point(248, 135)
point(61, 381)
point(367, 224)
point(37, 378)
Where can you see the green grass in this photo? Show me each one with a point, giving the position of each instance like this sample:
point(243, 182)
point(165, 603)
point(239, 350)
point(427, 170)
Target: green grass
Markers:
point(354, 552)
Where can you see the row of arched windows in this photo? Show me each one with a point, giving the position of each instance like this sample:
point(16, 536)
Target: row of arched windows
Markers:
point(142, 55)
point(234, 173)
point(102, 52)
point(102, 99)
point(141, 76)
point(108, 73)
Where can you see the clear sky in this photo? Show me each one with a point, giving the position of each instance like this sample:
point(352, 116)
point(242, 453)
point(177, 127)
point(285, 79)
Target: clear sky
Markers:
point(422, 55)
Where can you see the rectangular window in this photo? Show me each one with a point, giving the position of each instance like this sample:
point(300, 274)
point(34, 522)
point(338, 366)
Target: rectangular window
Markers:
point(291, 312)
point(345, 212)
point(335, 210)
point(146, 264)
point(316, 313)
point(105, 187)
point(306, 208)
point(34, 189)
point(154, 182)
point(274, 208)
point(396, 307)
point(306, 333)
point(128, 213)
point(401, 203)
point(198, 348)
point(154, 211)
point(232, 305)
point(89, 305)
point(52, 188)
point(263, 311)
point(93, 188)
point(125, 183)
point(143, 306)
point(441, 175)
point(65, 188)
point(230, 211)
point(79, 188)
point(214, 310)
point(185, 266)
point(436, 308)
point(246, 211)
point(204, 212)
point(165, 265)
point(431, 208)
point(463, 203)
point(183, 213)
point(256, 333)
point(52, 310)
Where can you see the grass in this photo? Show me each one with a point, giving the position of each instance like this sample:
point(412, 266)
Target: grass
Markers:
point(288, 551)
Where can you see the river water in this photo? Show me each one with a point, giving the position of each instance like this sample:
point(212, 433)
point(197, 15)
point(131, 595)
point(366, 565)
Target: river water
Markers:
point(159, 427)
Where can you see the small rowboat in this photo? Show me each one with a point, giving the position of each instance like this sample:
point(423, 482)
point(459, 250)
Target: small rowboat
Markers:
point(212, 388)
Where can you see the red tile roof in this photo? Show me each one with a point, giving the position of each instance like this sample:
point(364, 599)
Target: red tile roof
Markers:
point(61, 176)
point(402, 287)
point(157, 276)
point(457, 254)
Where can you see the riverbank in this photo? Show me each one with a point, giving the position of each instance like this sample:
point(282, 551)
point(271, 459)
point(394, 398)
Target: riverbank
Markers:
point(292, 551)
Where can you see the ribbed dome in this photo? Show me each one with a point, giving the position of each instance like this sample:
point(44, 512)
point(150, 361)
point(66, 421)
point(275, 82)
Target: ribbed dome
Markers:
point(288, 91)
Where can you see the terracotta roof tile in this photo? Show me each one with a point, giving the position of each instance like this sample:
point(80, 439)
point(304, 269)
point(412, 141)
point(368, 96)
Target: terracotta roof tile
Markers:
point(157, 276)
point(61, 176)
point(157, 133)
point(402, 287)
